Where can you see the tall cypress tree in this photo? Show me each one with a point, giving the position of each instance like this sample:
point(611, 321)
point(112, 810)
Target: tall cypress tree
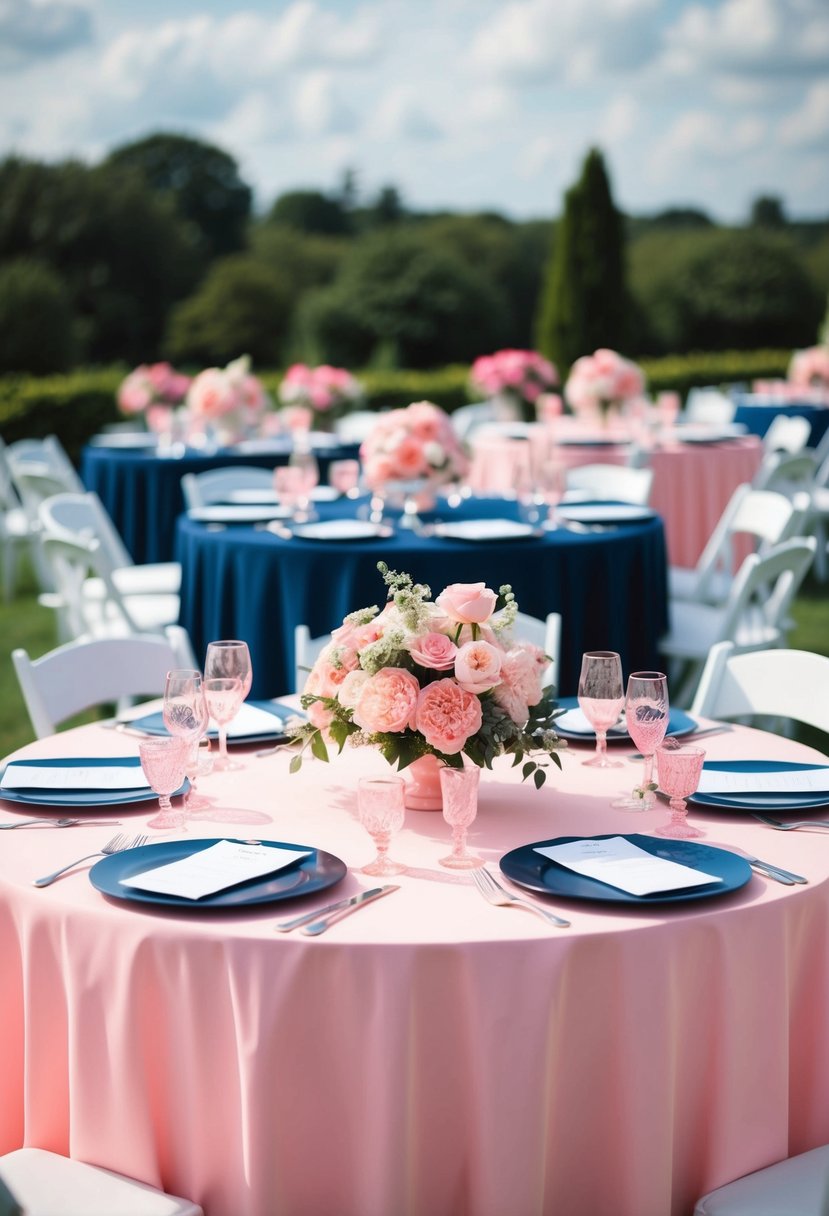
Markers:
point(584, 302)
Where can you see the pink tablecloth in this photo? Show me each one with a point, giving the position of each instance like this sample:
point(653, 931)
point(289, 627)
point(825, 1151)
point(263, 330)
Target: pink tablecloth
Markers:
point(692, 482)
point(431, 1055)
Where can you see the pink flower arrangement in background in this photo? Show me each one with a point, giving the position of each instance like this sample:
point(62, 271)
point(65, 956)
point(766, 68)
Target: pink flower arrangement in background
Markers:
point(152, 384)
point(415, 443)
point(810, 367)
point(520, 374)
point(602, 381)
point(325, 390)
point(230, 398)
point(445, 678)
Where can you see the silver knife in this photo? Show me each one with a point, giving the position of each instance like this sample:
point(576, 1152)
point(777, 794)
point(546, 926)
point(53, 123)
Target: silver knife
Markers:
point(785, 876)
point(286, 926)
point(356, 901)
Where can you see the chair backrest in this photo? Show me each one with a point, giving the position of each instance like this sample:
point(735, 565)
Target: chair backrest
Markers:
point(467, 418)
point(764, 587)
point(709, 405)
point(779, 683)
point(612, 482)
point(46, 455)
point(83, 674)
point(786, 472)
point(821, 449)
point(85, 516)
point(787, 434)
point(356, 425)
point(546, 635)
point(306, 653)
point(71, 560)
point(202, 489)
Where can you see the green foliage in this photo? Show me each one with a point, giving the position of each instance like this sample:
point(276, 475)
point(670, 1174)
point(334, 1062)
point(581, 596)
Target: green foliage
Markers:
point(310, 211)
point(240, 308)
point(584, 303)
point(202, 182)
point(37, 329)
point(73, 407)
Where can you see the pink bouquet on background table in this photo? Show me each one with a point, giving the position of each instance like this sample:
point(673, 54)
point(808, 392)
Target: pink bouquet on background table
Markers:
point(152, 385)
point(521, 375)
point(412, 444)
point(230, 399)
point(809, 368)
point(328, 391)
point(603, 381)
point(442, 678)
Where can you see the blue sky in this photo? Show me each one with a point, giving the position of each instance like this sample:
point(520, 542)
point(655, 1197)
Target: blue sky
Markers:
point(461, 104)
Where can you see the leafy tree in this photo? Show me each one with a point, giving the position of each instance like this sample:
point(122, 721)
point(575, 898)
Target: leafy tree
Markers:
point(202, 181)
point(767, 212)
point(303, 260)
point(584, 300)
point(37, 328)
point(240, 308)
point(311, 211)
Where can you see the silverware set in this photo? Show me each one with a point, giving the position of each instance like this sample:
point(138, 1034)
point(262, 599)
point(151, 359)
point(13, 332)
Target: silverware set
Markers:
point(60, 823)
point(316, 922)
point(118, 844)
point(500, 897)
point(791, 825)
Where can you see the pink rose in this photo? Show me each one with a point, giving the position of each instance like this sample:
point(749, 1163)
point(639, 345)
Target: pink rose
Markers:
point(468, 603)
point(387, 701)
point(435, 651)
point(447, 715)
point(478, 666)
point(520, 687)
point(409, 457)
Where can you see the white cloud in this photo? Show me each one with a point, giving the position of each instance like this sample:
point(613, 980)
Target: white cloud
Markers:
point(749, 36)
point(401, 114)
point(808, 127)
point(318, 107)
point(704, 135)
point(31, 31)
point(619, 121)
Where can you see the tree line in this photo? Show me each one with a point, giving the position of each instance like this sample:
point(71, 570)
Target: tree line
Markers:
point(156, 253)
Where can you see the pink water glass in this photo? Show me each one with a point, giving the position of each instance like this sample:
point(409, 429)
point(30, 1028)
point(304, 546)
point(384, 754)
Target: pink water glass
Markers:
point(647, 715)
point(344, 477)
point(224, 695)
point(382, 810)
point(601, 698)
point(288, 485)
point(185, 715)
point(459, 787)
point(230, 657)
point(164, 760)
point(678, 768)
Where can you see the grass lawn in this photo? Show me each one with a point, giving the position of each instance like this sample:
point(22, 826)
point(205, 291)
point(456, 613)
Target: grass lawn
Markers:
point(25, 623)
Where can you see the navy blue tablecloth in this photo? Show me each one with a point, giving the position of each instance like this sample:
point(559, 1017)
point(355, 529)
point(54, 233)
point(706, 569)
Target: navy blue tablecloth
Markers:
point(238, 582)
point(142, 491)
point(757, 415)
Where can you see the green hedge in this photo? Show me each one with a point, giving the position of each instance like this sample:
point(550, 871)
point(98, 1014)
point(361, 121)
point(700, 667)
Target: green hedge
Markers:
point(77, 405)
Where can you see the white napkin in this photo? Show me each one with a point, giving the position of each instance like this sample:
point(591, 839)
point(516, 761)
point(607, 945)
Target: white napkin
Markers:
point(224, 864)
point(337, 529)
point(58, 777)
point(778, 781)
point(251, 720)
point(236, 513)
point(574, 721)
point(601, 512)
point(483, 529)
point(620, 863)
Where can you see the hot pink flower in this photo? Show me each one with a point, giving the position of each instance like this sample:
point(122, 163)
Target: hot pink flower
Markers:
point(467, 603)
point(447, 715)
point(387, 701)
point(478, 666)
point(435, 651)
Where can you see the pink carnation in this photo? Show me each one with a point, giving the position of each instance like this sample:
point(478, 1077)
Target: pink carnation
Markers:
point(387, 701)
point(447, 715)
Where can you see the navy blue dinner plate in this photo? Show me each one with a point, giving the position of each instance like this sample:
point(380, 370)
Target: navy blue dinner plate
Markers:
point(153, 724)
point(312, 873)
point(758, 800)
point(679, 723)
point(79, 798)
point(529, 869)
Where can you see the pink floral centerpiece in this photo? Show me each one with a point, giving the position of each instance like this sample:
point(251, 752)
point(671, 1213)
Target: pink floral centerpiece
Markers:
point(229, 401)
point(602, 382)
point(516, 378)
point(327, 391)
point(417, 443)
point(809, 368)
point(154, 390)
point(431, 682)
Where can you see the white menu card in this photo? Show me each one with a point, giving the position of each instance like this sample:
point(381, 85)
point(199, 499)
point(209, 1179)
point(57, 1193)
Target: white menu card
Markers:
point(775, 781)
point(222, 865)
point(621, 864)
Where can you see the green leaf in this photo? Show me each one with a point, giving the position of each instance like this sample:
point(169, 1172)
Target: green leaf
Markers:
point(318, 747)
point(539, 777)
point(528, 768)
point(295, 765)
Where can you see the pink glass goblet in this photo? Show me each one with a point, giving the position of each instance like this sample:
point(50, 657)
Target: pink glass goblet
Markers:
point(230, 657)
point(163, 761)
point(224, 695)
point(459, 787)
point(288, 485)
point(344, 477)
point(646, 714)
point(679, 769)
point(601, 697)
point(382, 811)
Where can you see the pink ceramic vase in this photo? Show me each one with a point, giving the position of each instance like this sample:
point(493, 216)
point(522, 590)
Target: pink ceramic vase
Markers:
point(423, 792)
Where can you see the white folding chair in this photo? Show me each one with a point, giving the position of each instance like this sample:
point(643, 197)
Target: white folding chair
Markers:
point(787, 434)
point(766, 515)
point(356, 425)
point(83, 674)
point(546, 634)
point(753, 617)
point(306, 652)
point(779, 683)
point(798, 1186)
point(786, 472)
point(820, 516)
point(709, 405)
point(214, 486)
point(16, 531)
point(612, 482)
point(43, 1183)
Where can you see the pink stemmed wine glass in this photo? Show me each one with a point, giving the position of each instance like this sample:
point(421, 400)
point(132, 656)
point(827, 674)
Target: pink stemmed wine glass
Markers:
point(287, 485)
point(551, 479)
point(646, 714)
point(459, 787)
point(601, 697)
point(344, 477)
point(382, 811)
point(679, 769)
point(163, 761)
point(224, 695)
point(185, 716)
point(230, 657)
point(303, 460)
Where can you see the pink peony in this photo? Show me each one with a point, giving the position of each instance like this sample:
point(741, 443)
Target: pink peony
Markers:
point(435, 651)
point(447, 715)
point(387, 701)
point(520, 686)
point(478, 666)
point(213, 394)
point(467, 603)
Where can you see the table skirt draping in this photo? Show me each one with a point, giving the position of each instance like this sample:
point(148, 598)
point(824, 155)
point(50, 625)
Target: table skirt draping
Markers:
point(756, 413)
point(431, 1056)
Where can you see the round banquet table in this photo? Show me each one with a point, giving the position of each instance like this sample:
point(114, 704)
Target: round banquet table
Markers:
point(431, 1055)
point(142, 491)
point(756, 413)
point(242, 582)
point(692, 482)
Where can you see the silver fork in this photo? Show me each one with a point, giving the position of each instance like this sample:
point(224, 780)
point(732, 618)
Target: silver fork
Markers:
point(118, 844)
point(59, 823)
point(495, 894)
point(788, 827)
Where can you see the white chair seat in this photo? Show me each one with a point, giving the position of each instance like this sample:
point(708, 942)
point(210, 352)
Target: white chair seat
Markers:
point(796, 1187)
point(696, 627)
point(148, 613)
point(155, 578)
point(683, 584)
point(46, 1184)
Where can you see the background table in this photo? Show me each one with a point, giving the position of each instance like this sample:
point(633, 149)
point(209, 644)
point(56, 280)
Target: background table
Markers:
point(142, 491)
point(431, 1055)
point(757, 413)
point(610, 586)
